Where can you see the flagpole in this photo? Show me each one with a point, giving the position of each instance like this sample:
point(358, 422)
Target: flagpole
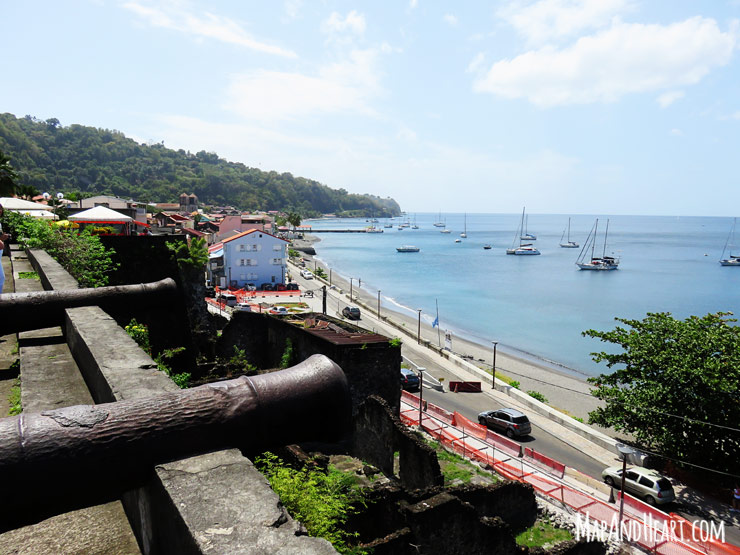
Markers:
point(439, 339)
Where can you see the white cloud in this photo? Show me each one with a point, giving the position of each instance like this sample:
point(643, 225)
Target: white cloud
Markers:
point(677, 132)
point(406, 134)
point(545, 20)
point(450, 19)
point(208, 25)
point(413, 3)
point(668, 98)
point(346, 86)
point(476, 64)
point(624, 59)
point(292, 8)
point(736, 115)
point(353, 22)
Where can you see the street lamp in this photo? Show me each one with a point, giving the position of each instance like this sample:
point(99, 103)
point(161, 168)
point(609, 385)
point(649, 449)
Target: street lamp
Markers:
point(378, 304)
point(350, 289)
point(421, 391)
point(493, 367)
point(418, 331)
point(624, 451)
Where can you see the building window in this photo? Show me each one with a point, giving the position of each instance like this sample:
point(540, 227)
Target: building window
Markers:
point(277, 247)
point(276, 261)
point(243, 248)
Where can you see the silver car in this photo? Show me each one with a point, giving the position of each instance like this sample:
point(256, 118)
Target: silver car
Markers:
point(647, 484)
point(507, 421)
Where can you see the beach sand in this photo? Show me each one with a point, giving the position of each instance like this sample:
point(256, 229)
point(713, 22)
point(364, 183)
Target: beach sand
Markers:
point(564, 390)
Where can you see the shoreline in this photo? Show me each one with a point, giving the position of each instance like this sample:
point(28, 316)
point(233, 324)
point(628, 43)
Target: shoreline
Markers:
point(563, 387)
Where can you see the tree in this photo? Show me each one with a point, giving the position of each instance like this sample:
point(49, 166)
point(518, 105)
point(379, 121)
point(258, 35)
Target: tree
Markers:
point(676, 388)
point(7, 177)
point(294, 219)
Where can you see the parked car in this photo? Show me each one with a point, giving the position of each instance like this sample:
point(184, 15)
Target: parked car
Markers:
point(305, 274)
point(250, 287)
point(229, 299)
point(409, 380)
point(210, 291)
point(243, 307)
point(279, 310)
point(507, 421)
point(292, 286)
point(351, 312)
point(266, 287)
point(280, 287)
point(647, 484)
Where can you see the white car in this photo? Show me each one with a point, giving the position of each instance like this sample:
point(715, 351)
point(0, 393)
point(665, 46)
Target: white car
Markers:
point(243, 307)
point(305, 274)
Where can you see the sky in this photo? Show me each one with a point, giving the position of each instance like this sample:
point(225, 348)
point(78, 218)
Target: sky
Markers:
point(562, 106)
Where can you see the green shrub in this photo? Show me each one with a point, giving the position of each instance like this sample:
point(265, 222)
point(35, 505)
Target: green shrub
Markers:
point(395, 342)
point(321, 501)
point(537, 395)
point(287, 358)
point(514, 384)
point(14, 399)
point(28, 275)
point(140, 334)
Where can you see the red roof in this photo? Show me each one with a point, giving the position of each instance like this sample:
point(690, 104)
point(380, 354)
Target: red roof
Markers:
point(244, 233)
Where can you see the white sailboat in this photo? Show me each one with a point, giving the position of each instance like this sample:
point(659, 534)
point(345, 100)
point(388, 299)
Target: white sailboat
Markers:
point(568, 244)
point(730, 246)
point(526, 236)
point(523, 248)
point(602, 262)
point(439, 222)
point(464, 234)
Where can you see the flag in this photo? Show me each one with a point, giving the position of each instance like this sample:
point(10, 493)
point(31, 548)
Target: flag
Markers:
point(436, 322)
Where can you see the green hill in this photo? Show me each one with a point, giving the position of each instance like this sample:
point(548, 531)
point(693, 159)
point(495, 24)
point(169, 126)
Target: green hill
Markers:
point(87, 160)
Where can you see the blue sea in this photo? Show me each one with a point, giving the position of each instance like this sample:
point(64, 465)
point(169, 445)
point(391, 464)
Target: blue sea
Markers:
point(538, 305)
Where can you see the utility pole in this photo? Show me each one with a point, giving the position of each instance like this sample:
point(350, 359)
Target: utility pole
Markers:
point(350, 289)
point(323, 287)
point(378, 304)
point(421, 392)
point(625, 452)
point(493, 367)
point(418, 331)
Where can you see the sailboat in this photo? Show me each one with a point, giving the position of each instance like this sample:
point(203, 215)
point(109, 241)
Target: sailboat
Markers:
point(439, 222)
point(523, 248)
point(528, 236)
point(414, 226)
point(568, 244)
point(732, 259)
point(596, 263)
point(464, 234)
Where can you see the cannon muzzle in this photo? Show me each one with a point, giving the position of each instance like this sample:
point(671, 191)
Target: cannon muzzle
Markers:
point(44, 309)
point(75, 456)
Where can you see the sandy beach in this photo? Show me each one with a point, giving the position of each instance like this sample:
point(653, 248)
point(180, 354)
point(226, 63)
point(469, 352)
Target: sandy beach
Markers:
point(563, 390)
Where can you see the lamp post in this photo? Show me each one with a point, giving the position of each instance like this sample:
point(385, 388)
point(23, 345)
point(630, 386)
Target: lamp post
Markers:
point(350, 289)
point(329, 277)
point(624, 451)
point(418, 330)
point(421, 392)
point(378, 304)
point(493, 366)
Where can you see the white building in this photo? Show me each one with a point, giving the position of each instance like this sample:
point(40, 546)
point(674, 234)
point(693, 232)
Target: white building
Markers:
point(251, 257)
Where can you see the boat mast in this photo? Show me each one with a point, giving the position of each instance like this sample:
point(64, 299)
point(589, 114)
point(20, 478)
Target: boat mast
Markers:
point(568, 230)
point(596, 231)
point(606, 234)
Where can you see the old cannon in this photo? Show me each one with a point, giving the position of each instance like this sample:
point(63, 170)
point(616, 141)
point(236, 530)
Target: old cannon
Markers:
point(66, 458)
point(43, 309)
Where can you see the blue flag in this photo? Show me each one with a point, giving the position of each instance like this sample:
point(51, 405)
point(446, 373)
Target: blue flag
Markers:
point(436, 322)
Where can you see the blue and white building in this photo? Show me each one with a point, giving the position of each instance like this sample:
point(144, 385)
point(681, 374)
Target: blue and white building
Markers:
point(250, 257)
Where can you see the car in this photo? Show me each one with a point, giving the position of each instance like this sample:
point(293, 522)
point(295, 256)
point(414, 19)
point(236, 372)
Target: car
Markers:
point(507, 421)
point(250, 287)
point(292, 286)
point(210, 291)
point(305, 274)
point(266, 287)
point(228, 299)
point(243, 307)
point(409, 380)
point(279, 310)
point(651, 486)
point(351, 312)
point(280, 287)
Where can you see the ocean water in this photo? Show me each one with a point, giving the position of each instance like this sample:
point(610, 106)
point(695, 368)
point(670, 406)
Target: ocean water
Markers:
point(538, 305)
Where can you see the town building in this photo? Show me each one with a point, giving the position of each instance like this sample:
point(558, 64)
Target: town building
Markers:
point(251, 257)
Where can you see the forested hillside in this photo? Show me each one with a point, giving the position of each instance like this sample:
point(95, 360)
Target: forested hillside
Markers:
point(51, 157)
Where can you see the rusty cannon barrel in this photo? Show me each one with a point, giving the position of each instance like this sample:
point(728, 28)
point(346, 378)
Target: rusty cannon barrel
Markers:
point(43, 309)
point(57, 460)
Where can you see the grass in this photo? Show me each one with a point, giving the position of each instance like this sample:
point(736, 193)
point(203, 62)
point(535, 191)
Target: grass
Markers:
point(14, 399)
point(543, 534)
point(28, 275)
point(456, 468)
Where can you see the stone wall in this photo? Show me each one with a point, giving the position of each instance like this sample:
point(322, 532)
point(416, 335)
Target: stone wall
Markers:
point(371, 368)
point(212, 503)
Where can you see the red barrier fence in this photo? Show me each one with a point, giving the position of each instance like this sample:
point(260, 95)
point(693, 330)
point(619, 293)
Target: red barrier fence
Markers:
point(465, 387)
point(644, 525)
point(543, 461)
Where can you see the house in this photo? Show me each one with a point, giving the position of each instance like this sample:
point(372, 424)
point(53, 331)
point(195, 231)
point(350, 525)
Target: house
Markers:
point(252, 256)
point(244, 222)
point(134, 210)
point(173, 221)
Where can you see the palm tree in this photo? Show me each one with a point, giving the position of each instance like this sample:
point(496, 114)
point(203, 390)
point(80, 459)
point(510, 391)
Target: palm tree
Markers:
point(7, 177)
